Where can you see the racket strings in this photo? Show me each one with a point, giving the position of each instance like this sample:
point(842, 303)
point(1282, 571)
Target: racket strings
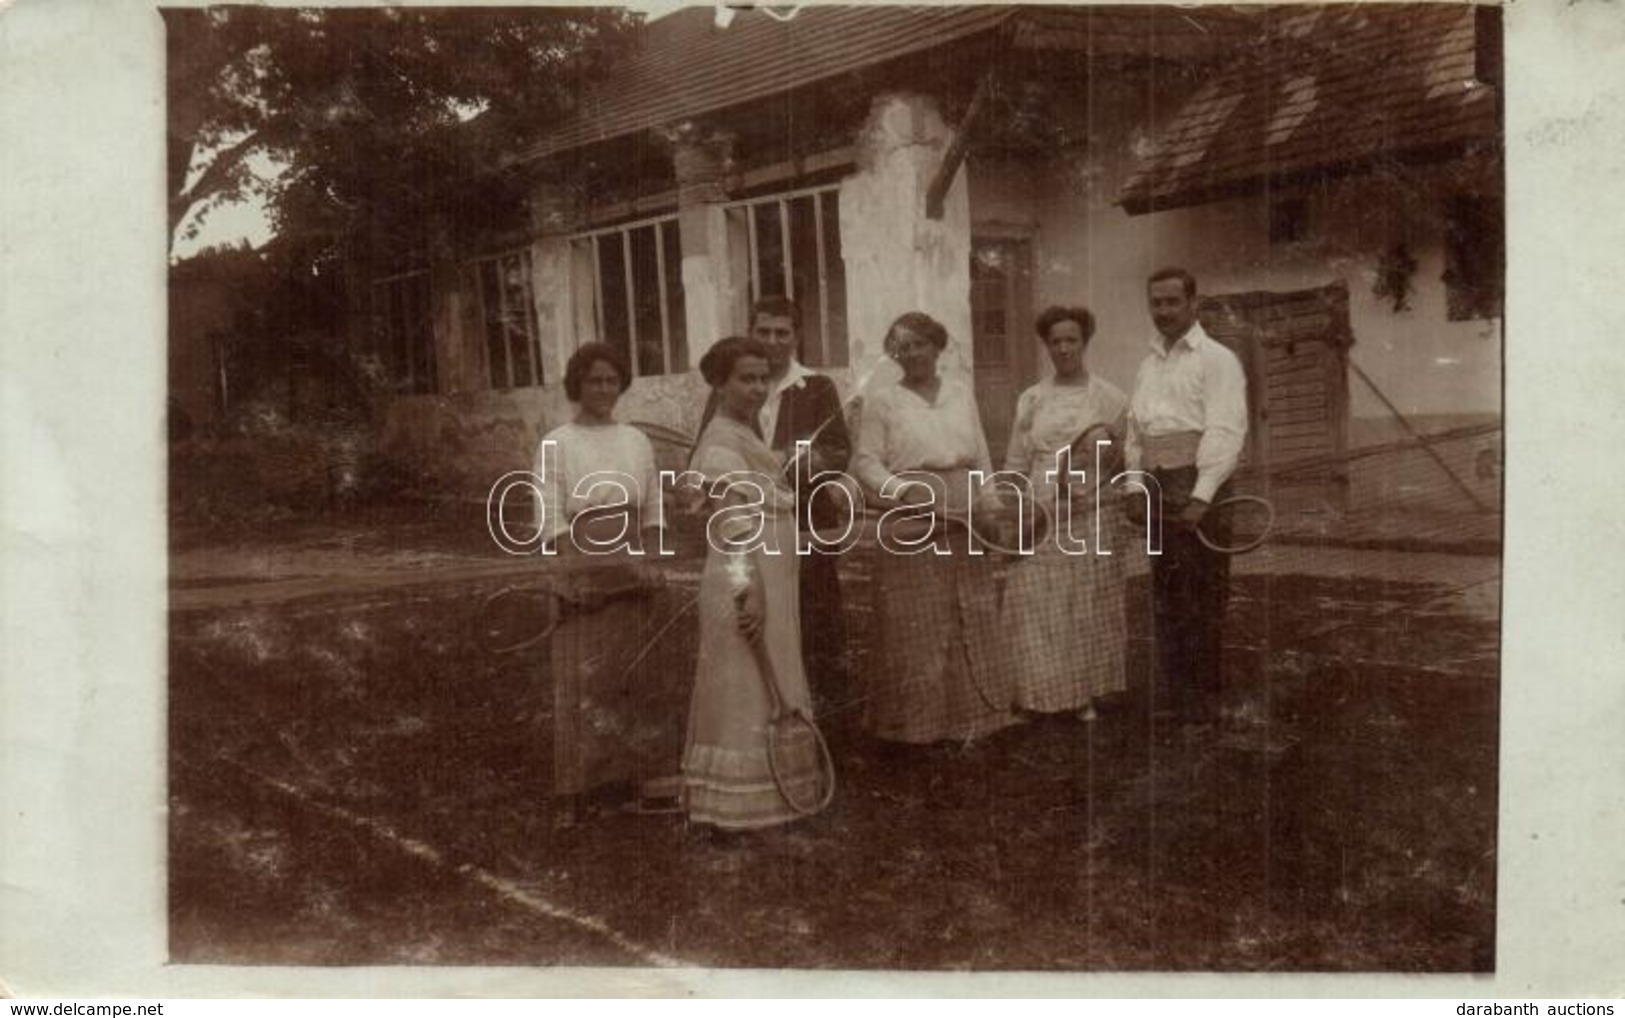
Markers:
point(1246, 522)
point(789, 739)
point(779, 761)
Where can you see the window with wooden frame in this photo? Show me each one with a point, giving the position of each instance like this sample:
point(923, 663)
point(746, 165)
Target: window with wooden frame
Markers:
point(403, 331)
point(507, 317)
point(793, 245)
point(636, 294)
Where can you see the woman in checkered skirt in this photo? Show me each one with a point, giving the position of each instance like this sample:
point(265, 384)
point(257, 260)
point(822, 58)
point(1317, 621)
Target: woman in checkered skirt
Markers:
point(1063, 611)
point(940, 671)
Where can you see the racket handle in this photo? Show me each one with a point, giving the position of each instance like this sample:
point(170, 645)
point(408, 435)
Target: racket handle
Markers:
point(770, 676)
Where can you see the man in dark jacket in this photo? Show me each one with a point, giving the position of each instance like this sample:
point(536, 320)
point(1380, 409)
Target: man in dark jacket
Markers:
point(804, 405)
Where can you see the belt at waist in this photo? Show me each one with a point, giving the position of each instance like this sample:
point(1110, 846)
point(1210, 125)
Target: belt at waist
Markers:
point(1167, 452)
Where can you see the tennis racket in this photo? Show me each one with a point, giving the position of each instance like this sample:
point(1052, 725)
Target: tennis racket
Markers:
point(1111, 457)
point(791, 735)
point(1233, 526)
point(1003, 534)
point(519, 617)
point(997, 527)
point(1004, 530)
point(1251, 518)
point(515, 619)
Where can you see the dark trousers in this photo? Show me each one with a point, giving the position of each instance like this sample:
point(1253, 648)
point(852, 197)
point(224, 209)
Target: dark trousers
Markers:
point(1190, 587)
point(823, 627)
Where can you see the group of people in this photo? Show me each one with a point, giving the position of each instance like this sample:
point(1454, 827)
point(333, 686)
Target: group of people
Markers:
point(961, 652)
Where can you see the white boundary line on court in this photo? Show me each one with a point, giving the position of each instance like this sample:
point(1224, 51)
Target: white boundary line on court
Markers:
point(503, 888)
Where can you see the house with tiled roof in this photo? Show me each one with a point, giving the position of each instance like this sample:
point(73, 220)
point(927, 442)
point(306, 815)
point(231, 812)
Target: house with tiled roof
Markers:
point(1339, 188)
point(1331, 175)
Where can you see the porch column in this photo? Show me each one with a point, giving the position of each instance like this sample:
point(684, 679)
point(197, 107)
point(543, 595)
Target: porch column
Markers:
point(713, 284)
point(563, 320)
point(897, 258)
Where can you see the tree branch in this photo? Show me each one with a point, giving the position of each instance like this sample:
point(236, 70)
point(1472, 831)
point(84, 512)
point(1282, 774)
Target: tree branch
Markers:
point(213, 178)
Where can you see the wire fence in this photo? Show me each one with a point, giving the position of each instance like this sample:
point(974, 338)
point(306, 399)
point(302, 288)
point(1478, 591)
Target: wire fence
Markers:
point(1438, 492)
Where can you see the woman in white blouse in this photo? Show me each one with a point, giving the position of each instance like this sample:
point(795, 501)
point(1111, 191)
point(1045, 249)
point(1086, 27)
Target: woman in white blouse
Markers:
point(594, 462)
point(940, 670)
point(1063, 607)
point(599, 507)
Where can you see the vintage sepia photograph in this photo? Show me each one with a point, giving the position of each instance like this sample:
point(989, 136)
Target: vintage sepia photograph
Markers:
point(973, 488)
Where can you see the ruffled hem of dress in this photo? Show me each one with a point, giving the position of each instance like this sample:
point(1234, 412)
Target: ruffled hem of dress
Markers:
point(735, 789)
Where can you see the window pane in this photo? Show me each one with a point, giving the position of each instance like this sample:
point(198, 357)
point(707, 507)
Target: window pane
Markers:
point(769, 253)
point(612, 323)
point(676, 308)
point(804, 270)
point(990, 304)
point(646, 302)
point(495, 350)
point(469, 312)
point(401, 333)
point(516, 321)
point(835, 277)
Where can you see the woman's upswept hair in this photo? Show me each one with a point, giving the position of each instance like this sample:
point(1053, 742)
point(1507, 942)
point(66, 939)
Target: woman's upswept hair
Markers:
point(1052, 316)
point(919, 323)
point(717, 366)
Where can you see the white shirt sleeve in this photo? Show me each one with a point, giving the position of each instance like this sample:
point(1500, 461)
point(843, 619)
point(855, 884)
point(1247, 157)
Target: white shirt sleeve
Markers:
point(1224, 435)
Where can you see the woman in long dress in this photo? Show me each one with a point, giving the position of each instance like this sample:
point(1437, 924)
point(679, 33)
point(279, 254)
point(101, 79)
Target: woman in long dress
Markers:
point(748, 609)
point(608, 728)
point(1063, 612)
point(940, 669)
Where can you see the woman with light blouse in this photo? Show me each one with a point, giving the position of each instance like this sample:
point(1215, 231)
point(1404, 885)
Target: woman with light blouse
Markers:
point(939, 671)
point(591, 446)
point(1063, 612)
point(749, 613)
point(599, 503)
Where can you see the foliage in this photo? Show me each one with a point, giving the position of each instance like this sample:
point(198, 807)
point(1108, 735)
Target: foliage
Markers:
point(1395, 270)
point(370, 110)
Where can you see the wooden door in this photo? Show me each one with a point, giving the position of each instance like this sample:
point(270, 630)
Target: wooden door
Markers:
point(1002, 344)
point(1294, 347)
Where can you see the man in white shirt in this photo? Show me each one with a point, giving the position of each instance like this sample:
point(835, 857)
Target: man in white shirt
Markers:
point(1187, 428)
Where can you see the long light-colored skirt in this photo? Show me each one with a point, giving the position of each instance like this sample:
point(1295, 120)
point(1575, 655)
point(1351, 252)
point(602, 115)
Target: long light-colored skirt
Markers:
point(727, 779)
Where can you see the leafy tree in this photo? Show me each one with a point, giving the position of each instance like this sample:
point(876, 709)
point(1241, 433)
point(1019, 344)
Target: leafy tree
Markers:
point(373, 111)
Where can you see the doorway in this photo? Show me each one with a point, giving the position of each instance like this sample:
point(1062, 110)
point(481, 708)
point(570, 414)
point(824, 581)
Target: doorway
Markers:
point(1004, 360)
